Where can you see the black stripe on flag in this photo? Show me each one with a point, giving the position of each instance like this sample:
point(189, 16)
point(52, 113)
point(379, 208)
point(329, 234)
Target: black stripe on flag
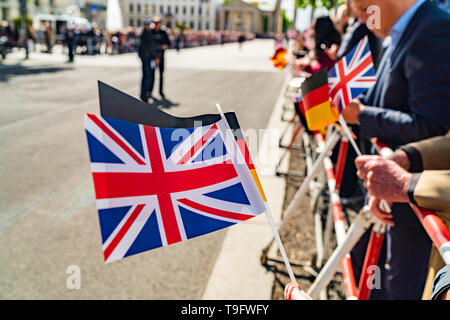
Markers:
point(315, 81)
point(119, 105)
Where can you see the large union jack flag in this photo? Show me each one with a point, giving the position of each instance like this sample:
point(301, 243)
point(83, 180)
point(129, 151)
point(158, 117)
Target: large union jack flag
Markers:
point(352, 75)
point(158, 186)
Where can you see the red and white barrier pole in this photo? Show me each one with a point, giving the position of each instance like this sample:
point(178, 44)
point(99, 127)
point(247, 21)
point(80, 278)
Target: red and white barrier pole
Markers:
point(340, 164)
point(371, 259)
point(383, 150)
point(292, 291)
point(436, 230)
point(339, 226)
point(432, 224)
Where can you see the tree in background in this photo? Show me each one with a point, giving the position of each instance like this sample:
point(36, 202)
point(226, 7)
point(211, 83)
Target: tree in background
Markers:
point(327, 4)
point(287, 24)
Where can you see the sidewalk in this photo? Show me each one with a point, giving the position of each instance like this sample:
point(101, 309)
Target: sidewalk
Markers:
point(238, 273)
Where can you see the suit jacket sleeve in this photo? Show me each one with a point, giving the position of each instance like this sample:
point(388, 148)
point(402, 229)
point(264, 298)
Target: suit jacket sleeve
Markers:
point(429, 154)
point(427, 72)
point(432, 191)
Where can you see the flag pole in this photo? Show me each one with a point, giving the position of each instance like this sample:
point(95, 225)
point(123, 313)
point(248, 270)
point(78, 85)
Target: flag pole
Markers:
point(383, 204)
point(349, 135)
point(268, 215)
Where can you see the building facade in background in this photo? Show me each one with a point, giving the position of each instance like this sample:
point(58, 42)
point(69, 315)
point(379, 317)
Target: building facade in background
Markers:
point(192, 14)
point(238, 15)
point(9, 9)
point(234, 15)
point(94, 10)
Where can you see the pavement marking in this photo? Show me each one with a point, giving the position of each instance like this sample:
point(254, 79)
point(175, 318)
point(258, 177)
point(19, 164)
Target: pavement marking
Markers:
point(27, 206)
point(75, 201)
point(78, 199)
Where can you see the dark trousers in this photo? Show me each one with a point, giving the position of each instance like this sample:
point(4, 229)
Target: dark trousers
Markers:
point(160, 67)
point(70, 47)
point(404, 259)
point(148, 76)
point(349, 184)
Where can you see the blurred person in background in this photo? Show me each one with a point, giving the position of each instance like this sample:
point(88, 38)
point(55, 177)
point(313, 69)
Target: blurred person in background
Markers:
point(49, 37)
point(241, 39)
point(342, 19)
point(69, 37)
point(300, 49)
point(132, 39)
point(161, 42)
point(147, 54)
point(326, 45)
point(8, 30)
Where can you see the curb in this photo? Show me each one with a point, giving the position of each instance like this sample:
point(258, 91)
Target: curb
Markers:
point(238, 273)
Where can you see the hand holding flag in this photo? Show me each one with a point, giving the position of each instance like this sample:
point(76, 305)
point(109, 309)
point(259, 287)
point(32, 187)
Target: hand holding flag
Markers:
point(352, 111)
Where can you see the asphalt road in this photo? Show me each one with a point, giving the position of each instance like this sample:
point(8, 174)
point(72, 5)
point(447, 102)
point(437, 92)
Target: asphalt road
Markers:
point(48, 219)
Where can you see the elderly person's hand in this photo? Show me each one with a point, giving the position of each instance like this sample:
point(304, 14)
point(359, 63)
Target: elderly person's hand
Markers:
point(384, 179)
point(375, 205)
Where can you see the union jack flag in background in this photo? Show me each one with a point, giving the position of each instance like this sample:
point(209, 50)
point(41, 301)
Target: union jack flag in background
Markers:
point(157, 186)
point(352, 75)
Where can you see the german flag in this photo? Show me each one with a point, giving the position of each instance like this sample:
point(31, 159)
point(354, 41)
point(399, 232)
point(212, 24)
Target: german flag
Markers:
point(319, 112)
point(278, 59)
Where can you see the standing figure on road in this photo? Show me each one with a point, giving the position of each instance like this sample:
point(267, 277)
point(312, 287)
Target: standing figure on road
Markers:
point(70, 41)
point(147, 55)
point(241, 39)
point(162, 43)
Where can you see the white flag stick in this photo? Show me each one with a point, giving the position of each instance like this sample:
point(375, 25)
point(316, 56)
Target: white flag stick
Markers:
point(349, 135)
point(267, 211)
point(383, 204)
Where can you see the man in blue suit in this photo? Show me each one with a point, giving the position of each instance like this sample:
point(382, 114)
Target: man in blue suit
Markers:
point(410, 102)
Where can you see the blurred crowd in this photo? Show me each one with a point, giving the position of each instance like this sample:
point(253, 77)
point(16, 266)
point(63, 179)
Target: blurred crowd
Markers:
point(94, 40)
point(329, 39)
